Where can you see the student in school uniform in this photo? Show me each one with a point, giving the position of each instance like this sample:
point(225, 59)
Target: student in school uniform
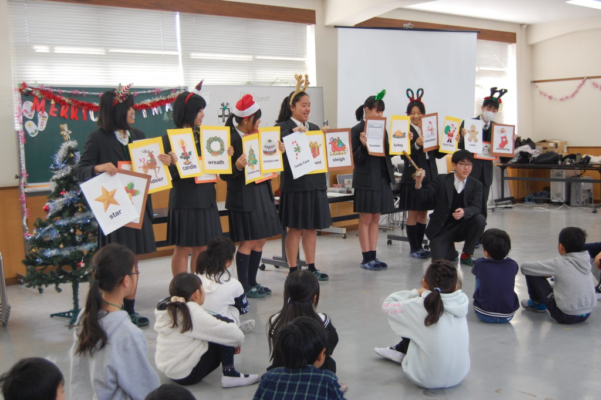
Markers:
point(372, 177)
point(253, 217)
point(102, 152)
point(193, 214)
point(418, 211)
point(304, 206)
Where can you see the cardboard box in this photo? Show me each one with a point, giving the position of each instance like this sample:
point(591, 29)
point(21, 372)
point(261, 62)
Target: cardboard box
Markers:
point(558, 146)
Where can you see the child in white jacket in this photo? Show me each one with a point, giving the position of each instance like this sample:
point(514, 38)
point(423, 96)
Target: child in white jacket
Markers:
point(434, 352)
point(191, 341)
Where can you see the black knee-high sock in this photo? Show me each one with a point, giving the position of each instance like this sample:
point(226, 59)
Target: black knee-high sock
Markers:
point(366, 257)
point(242, 261)
point(227, 362)
point(373, 254)
point(411, 235)
point(128, 305)
point(253, 267)
point(421, 232)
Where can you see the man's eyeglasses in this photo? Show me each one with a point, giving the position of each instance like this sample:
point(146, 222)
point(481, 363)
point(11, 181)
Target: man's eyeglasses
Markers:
point(465, 165)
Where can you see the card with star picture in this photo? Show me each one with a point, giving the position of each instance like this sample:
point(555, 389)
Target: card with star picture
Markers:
point(109, 201)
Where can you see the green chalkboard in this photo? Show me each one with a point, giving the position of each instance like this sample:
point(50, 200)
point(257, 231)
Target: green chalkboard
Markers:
point(41, 146)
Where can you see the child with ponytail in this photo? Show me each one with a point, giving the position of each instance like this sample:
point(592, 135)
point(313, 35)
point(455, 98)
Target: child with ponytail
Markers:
point(191, 342)
point(109, 356)
point(434, 352)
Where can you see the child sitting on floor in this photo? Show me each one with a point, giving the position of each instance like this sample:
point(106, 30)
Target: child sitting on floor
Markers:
point(572, 298)
point(301, 347)
point(33, 379)
point(495, 300)
point(170, 391)
point(191, 342)
point(434, 352)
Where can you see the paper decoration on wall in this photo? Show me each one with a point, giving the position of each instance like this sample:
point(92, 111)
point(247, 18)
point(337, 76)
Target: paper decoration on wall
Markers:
point(473, 135)
point(375, 129)
point(271, 157)
point(65, 132)
point(205, 178)
point(398, 137)
point(109, 202)
point(182, 144)
point(317, 144)
point(43, 121)
point(250, 147)
point(31, 128)
point(299, 154)
point(144, 156)
point(502, 140)
point(449, 135)
point(214, 141)
point(28, 110)
point(339, 150)
point(486, 153)
point(136, 186)
point(430, 131)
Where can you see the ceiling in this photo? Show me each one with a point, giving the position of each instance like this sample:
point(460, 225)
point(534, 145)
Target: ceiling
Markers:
point(516, 11)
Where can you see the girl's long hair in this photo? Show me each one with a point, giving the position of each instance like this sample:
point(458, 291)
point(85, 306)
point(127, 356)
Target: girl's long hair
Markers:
point(111, 264)
point(111, 116)
point(182, 285)
point(301, 296)
point(370, 103)
point(285, 111)
point(441, 274)
point(211, 262)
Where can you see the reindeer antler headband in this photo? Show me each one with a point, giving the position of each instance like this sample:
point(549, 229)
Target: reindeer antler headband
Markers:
point(411, 95)
point(299, 82)
point(493, 91)
point(121, 93)
point(194, 91)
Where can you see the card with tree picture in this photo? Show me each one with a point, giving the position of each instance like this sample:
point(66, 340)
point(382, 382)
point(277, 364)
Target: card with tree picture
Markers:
point(250, 147)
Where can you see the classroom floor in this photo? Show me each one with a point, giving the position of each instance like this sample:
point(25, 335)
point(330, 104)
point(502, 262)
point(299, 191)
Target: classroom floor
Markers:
point(532, 357)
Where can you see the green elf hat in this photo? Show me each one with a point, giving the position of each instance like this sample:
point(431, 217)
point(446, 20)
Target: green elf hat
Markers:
point(381, 95)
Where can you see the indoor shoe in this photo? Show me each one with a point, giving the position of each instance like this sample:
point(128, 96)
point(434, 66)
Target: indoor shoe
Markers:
point(372, 266)
point(455, 255)
point(237, 381)
point(247, 326)
point(390, 354)
point(320, 275)
point(469, 261)
point(382, 264)
point(417, 254)
point(529, 305)
point(253, 293)
point(262, 289)
point(139, 320)
point(425, 252)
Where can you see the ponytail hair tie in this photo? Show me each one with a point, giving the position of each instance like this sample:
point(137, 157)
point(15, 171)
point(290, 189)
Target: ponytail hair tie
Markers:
point(437, 289)
point(177, 299)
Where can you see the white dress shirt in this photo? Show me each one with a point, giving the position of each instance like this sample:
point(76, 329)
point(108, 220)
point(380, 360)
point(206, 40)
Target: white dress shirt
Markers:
point(459, 185)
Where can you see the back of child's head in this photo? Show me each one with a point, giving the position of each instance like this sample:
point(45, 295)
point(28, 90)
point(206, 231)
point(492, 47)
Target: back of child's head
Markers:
point(301, 296)
point(212, 261)
point(32, 379)
point(497, 243)
point(181, 288)
point(441, 277)
point(572, 239)
point(300, 342)
point(110, 265)
point(170, 391)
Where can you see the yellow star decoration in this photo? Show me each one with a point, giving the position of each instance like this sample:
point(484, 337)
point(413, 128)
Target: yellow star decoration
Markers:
point(107, 198)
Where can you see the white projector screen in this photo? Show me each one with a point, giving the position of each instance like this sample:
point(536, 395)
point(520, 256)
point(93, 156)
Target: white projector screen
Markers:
point(442, 63)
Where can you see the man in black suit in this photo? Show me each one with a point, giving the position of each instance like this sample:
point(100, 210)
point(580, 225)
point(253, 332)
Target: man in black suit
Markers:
point(457, 215)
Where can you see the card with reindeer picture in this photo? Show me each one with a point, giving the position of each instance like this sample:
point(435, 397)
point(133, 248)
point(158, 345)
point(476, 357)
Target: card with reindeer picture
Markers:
point(145, 159)
point(182, 144)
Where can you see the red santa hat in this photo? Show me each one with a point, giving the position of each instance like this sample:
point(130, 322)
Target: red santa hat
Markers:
point(245, 107)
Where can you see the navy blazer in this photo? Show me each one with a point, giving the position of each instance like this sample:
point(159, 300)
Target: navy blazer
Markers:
point(367, 173)
point(441, 191)
point(306, 182)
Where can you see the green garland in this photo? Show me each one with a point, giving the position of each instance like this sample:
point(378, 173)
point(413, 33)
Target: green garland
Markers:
point(221, 146)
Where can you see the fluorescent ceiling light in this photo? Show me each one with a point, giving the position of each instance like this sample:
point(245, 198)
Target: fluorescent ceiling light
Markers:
point(41, 49)
point(586, 3)
point(280, 58)
point(132, 51)
point(79, 50)
point(215, 56)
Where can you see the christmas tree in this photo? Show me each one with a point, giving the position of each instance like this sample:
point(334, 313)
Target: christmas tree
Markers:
point(252, 158)
point(61, 246)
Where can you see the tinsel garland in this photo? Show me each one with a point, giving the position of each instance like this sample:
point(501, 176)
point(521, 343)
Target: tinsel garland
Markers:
point(568, 97)
point(22, 170)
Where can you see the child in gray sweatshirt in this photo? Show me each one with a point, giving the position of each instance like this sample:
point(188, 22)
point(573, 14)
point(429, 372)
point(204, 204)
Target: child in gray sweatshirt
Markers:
point(572, 298)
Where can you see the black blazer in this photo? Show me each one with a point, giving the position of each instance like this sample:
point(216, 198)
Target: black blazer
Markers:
point(186, 194)
point(367, 173)
point(304, 183)
point(419, 157)
point(482, 169)
point(102, 147)
point(240, 195)
point(441, 191)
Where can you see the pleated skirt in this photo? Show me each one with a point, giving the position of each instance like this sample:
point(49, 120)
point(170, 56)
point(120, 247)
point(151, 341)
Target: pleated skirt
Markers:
point(193, 227)
point(305, 210)
point(408, 200)
point(139, 241)
point(379, 201)
point(260, 223)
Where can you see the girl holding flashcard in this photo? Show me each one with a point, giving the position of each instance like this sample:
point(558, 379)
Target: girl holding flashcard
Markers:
point(102, 152)
point(252, 214)
point(304, 206)
point(193, 214)
point(418, 212)
point(371, 179)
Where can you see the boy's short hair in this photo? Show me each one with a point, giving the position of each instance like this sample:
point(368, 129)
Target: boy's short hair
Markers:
point(497, 243)
point(572, 239)
point(32, 379)
point(300, 342)
point(462, 155)
point(170, 391)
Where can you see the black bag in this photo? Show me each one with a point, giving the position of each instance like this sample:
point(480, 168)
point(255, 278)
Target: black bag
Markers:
point(548, 158)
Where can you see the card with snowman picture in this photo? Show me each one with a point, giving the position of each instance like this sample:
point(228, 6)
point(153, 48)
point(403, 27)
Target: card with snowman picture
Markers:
point(502, 140)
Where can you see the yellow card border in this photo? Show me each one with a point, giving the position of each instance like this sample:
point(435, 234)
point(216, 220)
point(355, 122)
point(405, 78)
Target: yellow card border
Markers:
point(325, 157)
point(271, 129)
point(146, 142)
point(399, 118)
point(456, 143)
point(245, 140)
point(226, 129)
point(173, 132)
